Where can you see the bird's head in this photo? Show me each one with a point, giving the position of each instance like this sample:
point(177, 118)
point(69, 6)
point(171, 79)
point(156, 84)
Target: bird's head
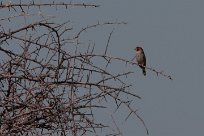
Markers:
point(138, 49)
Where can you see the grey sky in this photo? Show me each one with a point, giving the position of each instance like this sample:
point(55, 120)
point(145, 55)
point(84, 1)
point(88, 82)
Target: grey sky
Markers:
point(172, 35)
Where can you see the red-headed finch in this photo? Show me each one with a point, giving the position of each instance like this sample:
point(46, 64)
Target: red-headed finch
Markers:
point(141, 59)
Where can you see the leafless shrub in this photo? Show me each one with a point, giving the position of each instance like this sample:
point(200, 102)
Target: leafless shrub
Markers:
point(47, 87)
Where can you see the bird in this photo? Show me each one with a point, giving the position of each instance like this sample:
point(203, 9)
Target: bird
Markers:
point(141, 59)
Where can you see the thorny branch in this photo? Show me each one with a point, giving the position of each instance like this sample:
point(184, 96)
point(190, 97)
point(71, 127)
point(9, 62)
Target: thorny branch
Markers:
point(47, 87)
point(33, 4)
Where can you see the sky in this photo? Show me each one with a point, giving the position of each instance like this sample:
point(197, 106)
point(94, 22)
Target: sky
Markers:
point(171, 34)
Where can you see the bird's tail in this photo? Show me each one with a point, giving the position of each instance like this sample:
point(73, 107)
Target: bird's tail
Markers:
point(144, 71)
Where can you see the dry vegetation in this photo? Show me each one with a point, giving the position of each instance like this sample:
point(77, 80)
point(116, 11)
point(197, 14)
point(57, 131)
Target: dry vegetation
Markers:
point(47, 87)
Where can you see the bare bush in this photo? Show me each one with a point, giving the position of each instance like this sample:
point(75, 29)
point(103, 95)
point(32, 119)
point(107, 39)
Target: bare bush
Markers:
point(47, 85)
